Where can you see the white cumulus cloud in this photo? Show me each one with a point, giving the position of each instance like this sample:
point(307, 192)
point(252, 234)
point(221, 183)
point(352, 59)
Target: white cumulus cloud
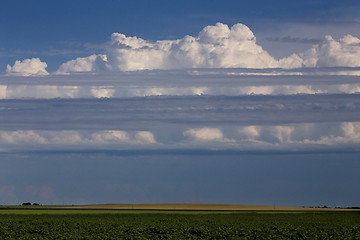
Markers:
point(351, 130)
point(283, 133)
point(250, 132)
point(145, 137)
point(205, 134)
point(92, 63)
point(215, 46)
point(303, 134)
point(102, 92)
point(27, 67)
point(22, 137)
point(218, 46)
point(110, 136)
point(3, 90)
point(344, 52)
point(76, 138)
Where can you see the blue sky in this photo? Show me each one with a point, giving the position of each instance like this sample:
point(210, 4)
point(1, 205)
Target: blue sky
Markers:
point(216, 101)
point(59, 31)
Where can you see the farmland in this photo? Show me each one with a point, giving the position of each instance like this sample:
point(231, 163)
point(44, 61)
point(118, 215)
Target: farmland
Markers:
point(159, 224)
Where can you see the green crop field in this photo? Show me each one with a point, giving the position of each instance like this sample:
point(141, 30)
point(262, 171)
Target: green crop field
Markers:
point(87, 224)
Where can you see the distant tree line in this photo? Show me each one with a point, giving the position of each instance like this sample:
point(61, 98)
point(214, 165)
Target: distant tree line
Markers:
point(29, 204)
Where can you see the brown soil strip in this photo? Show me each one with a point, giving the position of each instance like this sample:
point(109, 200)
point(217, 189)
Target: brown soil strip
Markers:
point(201, 207)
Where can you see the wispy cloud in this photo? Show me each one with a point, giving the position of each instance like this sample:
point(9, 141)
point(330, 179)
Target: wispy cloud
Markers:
point(295, 40)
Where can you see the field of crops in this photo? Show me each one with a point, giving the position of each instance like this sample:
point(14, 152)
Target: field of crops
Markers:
point(171, 225)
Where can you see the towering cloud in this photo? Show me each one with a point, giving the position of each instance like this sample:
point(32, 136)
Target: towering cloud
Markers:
point(329, 53)
point(218, 46)
point(215, 47)
point(27, 67)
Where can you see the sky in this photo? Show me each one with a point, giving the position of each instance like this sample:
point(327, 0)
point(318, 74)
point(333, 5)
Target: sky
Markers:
point(60, 31)
point(248, 102)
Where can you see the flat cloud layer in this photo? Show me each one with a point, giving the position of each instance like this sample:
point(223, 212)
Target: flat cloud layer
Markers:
point(215, 46)
point(260, 137)
point(67, 138)
point(158, 136)
point(200, 82)
point(75, 92)
point(250, 122)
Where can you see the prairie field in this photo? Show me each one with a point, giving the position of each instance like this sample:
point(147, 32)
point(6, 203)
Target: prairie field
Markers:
point(102, 222)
